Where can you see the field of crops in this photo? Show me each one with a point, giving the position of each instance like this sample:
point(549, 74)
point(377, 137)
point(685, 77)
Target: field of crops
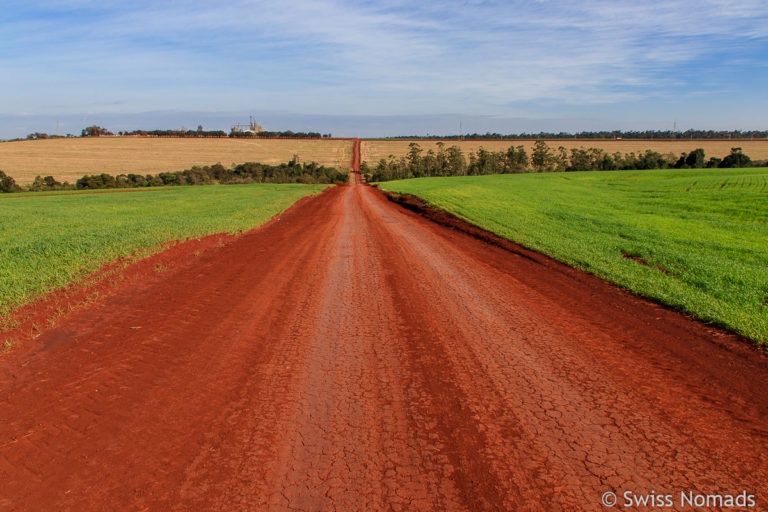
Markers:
point(47, 242)
point(69, 159)
point(693, 239)
point(374, 150)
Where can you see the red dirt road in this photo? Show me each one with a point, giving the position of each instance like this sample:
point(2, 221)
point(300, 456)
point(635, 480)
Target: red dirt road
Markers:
point(356, 176)
point(355, 356)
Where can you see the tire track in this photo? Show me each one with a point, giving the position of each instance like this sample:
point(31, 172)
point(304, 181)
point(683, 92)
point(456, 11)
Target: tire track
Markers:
point(354, 356)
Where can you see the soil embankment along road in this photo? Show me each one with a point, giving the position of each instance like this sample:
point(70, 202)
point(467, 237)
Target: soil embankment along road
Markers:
point(355, 356)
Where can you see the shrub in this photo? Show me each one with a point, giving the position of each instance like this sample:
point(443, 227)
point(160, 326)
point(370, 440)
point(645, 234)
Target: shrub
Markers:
point(735, 159)
point(8, 184)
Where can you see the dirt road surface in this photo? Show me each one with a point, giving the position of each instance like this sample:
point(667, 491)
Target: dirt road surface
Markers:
point(355, 356)
point(355, 176)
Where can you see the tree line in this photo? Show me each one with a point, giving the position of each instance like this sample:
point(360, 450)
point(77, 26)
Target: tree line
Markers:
point(249, 172)
point(606, 135)
point(174, 133)
point(450, 161)
point(288, 134)
point(98, 131)
point(42, 136)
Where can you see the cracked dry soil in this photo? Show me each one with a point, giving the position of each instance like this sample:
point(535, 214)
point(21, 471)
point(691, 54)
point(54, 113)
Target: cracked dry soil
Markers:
point(355, 356)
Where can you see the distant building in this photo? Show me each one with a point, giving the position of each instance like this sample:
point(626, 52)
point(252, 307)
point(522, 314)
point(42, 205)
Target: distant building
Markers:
point(252, 127)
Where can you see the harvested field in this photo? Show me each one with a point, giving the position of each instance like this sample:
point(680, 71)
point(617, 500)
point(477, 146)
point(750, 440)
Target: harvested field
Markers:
point(374, 150)
point(69, 159)
point(356, 356)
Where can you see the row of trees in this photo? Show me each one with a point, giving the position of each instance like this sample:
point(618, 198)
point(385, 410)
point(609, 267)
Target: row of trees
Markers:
point(450, 161)
point(98, 131)
point(249, 172)
point(200, 132)
point(42, 136)
point(608, 135)
point(95, 131)
point(49, 183)
point(279, 135)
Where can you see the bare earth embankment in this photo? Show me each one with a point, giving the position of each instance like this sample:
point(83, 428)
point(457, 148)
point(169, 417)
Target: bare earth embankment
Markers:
point(374, 150)
point(70, 159)
point(356, 356)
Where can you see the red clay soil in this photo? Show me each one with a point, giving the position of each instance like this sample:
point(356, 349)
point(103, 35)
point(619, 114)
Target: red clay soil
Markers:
point(30, 320)
point(356, 156)
point(356, 356)
point(356, 176)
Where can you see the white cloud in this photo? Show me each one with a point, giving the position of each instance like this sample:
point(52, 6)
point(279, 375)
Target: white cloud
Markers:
point(386, 57)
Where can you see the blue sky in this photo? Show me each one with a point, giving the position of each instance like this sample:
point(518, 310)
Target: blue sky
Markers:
point(383, 67)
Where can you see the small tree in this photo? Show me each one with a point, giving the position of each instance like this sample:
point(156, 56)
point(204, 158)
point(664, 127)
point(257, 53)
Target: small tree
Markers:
point(560, 159)
point(457, 164)
point(94, 131)
point(695, 159)
point(415, 164)
point(517, 159)
point(541, 157)
point(581, 160)
point(37, 185)
point(681, 162)
point(8, 184)
point(651, 160)
point(51, 183)
point(736, 159)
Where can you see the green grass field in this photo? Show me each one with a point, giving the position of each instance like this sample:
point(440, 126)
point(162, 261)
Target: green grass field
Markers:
point(47, 242)
point(703, 233)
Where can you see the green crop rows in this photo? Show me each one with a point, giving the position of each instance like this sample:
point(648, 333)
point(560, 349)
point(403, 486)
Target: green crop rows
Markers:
point(47, 242)
point(702, 234)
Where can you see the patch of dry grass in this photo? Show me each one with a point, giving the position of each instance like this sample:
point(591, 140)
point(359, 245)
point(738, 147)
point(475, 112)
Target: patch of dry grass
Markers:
point(70, 159)
point(374, 150)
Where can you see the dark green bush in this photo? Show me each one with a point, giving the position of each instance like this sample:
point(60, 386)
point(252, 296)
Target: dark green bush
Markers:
point(735, 159)
point(8, 184)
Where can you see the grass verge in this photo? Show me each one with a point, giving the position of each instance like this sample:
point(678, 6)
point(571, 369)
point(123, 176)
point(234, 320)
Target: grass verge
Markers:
point(50, 241)
point(696, 240)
